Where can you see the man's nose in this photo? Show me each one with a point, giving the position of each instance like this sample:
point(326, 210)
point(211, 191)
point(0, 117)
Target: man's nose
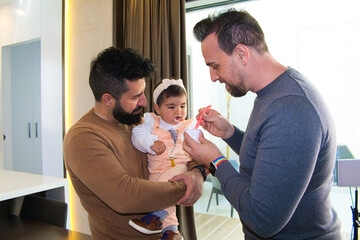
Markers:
point(213, 75)
point(142, 101)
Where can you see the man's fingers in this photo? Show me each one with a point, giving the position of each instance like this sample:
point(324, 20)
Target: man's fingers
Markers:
point(185, 198)
point(202, 138)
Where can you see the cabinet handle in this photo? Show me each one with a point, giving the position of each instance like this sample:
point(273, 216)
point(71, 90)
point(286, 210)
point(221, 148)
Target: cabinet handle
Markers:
point(36, 130)
point(29, 130)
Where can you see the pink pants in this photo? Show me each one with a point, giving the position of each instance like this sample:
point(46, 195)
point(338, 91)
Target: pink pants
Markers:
point(171, 219)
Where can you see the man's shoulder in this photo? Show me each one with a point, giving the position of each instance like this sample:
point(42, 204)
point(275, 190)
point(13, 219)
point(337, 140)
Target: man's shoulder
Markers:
point(87, 123)
point(86, 120)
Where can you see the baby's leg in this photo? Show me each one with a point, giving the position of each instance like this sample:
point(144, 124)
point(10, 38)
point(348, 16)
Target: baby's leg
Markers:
point(150, 223)
point(171, 219)
point(171, 172)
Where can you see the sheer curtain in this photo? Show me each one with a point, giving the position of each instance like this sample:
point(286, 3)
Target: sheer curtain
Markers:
point(156, 28)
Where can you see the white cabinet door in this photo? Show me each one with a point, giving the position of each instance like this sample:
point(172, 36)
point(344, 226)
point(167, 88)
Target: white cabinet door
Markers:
point(25, 106)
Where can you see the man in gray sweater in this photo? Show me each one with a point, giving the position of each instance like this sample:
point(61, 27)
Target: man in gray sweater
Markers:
point(287, 152)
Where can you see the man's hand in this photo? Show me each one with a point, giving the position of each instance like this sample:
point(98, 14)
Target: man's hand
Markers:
point(194, 182)
point(216, 124)
point(203, 152)
point(158, 147)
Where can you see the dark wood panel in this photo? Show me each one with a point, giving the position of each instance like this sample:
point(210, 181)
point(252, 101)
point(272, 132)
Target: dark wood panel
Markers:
point(16, 228)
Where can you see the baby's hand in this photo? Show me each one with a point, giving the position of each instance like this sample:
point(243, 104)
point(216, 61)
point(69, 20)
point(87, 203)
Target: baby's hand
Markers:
point(158, 147)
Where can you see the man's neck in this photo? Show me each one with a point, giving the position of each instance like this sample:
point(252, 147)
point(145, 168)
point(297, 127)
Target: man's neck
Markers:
point(103, 112)
point(268, 69)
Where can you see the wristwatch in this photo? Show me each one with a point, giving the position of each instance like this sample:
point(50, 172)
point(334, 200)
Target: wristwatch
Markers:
point(212, 168)
point(215, 163)
point(202, 170)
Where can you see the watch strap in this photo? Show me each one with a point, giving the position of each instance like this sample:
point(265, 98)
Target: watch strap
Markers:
point(202, 170)
point(214, 164)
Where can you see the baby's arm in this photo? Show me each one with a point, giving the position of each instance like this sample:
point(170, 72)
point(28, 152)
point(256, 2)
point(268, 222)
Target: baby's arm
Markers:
point(142, 138)
point(158, 147)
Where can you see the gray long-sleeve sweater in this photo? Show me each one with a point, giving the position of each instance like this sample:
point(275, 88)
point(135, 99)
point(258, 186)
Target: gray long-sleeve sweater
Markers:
point(287, 155)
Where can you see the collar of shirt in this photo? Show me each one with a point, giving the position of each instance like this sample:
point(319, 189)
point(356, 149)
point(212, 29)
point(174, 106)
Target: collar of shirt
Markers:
point(168, 126)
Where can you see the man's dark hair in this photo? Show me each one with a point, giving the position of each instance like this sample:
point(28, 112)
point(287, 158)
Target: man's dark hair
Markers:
point(113, 66)
point(171, 91)
point(232, 27)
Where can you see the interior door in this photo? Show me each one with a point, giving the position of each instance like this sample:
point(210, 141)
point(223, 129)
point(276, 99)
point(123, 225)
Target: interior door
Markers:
point(25, 101)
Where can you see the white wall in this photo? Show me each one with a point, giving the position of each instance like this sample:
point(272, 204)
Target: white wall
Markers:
point(89, 30)
point(25, 20)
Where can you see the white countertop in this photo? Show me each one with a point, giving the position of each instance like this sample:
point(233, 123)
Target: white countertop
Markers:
point(17, 184)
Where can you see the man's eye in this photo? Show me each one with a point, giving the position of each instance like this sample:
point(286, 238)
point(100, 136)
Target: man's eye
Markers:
point(215, 67)
point(171, 107)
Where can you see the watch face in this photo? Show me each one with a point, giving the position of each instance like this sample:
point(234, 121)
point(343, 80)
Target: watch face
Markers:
point(212, 169)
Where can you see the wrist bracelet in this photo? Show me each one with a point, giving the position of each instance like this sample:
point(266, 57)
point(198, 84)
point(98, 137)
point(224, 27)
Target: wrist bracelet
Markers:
point(214, 164)
point(219, 160)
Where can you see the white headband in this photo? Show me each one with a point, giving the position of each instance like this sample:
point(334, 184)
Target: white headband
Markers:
point(164, 85)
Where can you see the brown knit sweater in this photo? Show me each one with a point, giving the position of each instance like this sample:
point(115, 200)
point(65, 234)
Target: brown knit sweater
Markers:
point(110, 177)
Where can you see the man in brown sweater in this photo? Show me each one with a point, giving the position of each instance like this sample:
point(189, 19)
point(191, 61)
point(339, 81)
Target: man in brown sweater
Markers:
point(107, 172)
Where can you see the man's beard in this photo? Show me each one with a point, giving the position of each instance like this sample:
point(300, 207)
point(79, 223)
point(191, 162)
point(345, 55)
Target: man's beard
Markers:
point(124, 117)
point(239, 89)
point(236, 91)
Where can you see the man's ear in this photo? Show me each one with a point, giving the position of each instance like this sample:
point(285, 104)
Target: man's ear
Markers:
point(108, 100)
point(242, 53)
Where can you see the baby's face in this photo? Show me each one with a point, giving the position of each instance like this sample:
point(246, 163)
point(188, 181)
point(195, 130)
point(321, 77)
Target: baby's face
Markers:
point(173, 110)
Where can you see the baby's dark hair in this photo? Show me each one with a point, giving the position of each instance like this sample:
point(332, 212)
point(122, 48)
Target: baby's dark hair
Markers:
point(171, 91)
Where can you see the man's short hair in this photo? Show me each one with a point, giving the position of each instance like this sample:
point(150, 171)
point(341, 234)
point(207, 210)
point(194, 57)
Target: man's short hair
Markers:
point(232, 27)
point(113, 66)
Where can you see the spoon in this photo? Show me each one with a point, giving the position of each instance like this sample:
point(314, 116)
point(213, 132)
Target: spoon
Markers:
point(201, 116)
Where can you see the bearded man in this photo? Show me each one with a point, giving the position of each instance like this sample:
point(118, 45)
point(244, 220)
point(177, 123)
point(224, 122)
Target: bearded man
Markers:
point(108, 173)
